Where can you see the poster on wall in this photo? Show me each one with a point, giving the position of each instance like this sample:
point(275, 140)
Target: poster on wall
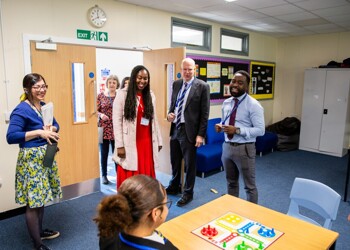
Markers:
point(262, 80)
point(218, 72)
point(102, 80)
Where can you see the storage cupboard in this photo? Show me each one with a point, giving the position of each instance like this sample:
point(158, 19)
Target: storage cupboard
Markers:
point(325, 111)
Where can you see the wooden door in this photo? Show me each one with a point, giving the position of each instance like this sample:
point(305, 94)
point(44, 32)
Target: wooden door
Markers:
point(163, 65)
point(78, 158)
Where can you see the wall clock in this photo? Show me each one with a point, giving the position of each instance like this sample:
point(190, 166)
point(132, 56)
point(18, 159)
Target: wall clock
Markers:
point(97, 16)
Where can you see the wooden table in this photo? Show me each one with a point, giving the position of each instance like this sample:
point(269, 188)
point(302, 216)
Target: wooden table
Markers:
point(297, 233)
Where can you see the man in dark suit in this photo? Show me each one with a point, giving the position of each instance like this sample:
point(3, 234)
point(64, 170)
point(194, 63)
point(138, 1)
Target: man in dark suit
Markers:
point(188, 114)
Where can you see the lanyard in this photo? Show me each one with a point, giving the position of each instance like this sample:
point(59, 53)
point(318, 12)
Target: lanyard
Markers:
point(110, 99)
point(179, 97)
point(134, 245)
point(233, 109)
point(139, 102)
point(36, 110)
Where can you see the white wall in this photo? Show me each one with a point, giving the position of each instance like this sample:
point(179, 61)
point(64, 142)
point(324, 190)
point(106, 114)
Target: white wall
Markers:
point(296, 54)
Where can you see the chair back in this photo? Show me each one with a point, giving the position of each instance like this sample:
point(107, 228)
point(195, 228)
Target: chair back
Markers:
point(316, 197)
point(212, 136)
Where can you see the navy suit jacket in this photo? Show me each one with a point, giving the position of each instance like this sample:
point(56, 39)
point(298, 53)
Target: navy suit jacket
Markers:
point(196, 110)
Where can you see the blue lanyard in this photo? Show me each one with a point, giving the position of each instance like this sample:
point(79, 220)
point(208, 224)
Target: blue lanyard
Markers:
point(233, 109)
point(110, 99)
point(183, 93)
point(134, 245)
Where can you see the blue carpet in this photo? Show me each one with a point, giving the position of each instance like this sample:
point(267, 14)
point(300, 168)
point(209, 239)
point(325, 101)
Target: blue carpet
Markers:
point(275, 175)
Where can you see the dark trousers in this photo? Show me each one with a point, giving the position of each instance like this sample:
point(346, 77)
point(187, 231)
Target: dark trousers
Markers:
point(181, 148)
point(104, 147)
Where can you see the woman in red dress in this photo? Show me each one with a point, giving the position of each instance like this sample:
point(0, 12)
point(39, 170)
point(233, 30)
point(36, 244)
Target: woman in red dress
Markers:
point(136, 129)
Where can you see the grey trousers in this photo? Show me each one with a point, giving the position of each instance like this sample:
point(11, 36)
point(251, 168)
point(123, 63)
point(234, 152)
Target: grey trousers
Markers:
point(240, 159)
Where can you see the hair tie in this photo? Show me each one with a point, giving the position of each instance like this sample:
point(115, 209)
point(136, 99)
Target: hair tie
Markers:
point(23, 97)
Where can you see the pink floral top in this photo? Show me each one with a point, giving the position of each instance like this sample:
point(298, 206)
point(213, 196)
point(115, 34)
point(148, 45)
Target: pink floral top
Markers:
point(105, 106)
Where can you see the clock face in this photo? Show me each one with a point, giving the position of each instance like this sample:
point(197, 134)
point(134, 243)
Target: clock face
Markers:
point(97, 17)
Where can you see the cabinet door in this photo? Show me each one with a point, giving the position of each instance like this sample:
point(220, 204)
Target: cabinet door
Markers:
point(311, 118)
point(334, 118)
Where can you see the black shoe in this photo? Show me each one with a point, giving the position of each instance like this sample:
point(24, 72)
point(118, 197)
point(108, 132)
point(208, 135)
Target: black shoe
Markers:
point(173, 190)
point(43, 247)
point(48, 235)
point(184, 200)
point(105, 180)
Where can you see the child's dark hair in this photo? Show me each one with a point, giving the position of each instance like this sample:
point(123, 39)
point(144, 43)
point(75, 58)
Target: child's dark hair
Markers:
point(137, 196)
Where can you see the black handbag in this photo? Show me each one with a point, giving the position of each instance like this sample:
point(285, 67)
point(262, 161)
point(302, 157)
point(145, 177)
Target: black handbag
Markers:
point(50, 153)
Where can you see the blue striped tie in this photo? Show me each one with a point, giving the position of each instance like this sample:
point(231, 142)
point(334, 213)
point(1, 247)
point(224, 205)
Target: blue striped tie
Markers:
point(180, 102)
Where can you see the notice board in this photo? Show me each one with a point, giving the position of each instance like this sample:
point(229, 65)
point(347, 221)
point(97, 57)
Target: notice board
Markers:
point(218, 72)
point(262, 77)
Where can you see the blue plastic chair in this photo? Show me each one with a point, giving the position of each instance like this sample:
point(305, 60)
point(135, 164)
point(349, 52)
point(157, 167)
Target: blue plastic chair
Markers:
point(316, 197)
point(209, 155)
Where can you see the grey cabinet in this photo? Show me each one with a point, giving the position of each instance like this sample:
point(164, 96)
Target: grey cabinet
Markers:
point(326, 112)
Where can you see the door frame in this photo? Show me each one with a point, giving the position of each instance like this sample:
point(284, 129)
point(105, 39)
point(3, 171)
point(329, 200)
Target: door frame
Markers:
point(27, 38)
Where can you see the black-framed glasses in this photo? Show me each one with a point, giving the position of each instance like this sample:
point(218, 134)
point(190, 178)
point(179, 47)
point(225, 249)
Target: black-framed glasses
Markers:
point(168, 203)
point(42, 87)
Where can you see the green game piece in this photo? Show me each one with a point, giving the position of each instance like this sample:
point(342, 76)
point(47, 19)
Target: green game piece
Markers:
point(261, 245)
point(224, 244)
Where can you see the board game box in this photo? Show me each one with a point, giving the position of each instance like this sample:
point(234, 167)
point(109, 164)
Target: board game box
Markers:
point(235, 232)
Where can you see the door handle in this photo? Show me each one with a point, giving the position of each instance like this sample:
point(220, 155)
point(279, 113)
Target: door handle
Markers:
point(325, 111)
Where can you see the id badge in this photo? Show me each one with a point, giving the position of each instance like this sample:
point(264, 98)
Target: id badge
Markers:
point(144, 121)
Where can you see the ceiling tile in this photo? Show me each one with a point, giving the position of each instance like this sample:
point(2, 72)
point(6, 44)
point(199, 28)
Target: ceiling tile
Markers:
point(259, 4)
point(297, 16)
point(335, 11)
point(280, 10)
point(320, 4)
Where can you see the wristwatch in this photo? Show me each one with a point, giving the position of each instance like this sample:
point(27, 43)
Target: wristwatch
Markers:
point(238, 131)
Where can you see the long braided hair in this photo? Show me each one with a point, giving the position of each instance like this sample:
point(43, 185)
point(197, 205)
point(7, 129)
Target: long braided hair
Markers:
point(131, 97)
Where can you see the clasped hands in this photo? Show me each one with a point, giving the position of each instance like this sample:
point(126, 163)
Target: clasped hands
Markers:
point(228, 129)
point(104, 117)
point(49, 134)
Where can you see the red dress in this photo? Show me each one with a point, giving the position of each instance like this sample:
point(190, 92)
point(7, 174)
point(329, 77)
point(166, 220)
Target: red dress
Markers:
point(144, 149)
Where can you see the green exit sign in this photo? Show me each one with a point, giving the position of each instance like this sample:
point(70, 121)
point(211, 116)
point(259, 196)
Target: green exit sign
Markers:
point(92, 35)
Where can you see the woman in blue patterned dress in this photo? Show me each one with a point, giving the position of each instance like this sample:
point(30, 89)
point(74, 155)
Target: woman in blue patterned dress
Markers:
point(35, 184)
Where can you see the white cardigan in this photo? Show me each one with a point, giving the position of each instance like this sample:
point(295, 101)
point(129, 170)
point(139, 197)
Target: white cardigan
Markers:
point(125, 134)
